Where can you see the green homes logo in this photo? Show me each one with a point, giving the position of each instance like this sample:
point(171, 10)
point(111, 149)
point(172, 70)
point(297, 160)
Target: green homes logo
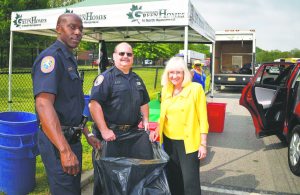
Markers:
point(28, 22)
point(89, 17)
point(136, 14)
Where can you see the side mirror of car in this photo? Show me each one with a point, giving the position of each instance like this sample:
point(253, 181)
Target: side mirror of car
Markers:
point(297, 110)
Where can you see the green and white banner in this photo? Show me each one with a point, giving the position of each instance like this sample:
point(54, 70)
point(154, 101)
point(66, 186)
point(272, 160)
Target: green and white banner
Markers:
point(159, 13)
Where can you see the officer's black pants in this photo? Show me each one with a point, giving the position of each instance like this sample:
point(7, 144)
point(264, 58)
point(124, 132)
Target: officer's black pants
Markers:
point(182, 169)
point(136, 147)
point(60, 183)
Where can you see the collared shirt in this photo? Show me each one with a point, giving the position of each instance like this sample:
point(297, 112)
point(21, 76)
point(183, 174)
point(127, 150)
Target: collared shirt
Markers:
point(120, 96)
point(189, 115)
point(55, 71)
point(173, 126)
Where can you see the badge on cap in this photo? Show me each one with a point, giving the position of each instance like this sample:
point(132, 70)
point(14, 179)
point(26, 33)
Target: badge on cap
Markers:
point(47, 64)
point(99, 80)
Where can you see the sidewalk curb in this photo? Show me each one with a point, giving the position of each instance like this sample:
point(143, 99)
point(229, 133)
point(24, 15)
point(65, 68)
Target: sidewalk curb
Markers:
point(86, 178)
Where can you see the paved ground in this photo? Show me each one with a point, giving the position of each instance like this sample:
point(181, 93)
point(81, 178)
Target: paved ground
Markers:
point(238, 162)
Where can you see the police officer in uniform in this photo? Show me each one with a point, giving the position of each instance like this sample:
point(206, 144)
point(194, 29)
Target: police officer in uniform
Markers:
point(118, 101)
point(59, 103)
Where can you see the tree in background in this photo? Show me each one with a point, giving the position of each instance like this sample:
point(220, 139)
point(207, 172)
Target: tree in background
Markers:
point(295, 53)
point(155, 51)
point(202, 48)
point(61, 3)
point(7, 6)
point(20, 40)
point(269, 56)
point(151, 50)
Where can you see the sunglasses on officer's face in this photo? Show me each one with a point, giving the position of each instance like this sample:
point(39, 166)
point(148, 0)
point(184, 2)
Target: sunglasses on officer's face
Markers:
point(123, 54)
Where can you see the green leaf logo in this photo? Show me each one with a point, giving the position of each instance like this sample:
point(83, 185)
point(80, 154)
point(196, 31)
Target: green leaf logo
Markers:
point(131, 15)
point(17, 20)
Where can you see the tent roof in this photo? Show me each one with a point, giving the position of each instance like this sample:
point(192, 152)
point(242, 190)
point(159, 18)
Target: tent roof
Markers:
point(123, 20)
point(107, 2)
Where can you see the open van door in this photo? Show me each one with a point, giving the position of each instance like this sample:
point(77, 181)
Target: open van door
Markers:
point(265, 98)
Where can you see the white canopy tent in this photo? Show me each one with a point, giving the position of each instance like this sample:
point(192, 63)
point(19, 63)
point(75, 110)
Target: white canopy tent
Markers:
point(122, 20)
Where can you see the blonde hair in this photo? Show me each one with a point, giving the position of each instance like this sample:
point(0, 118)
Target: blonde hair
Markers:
point(176, 63)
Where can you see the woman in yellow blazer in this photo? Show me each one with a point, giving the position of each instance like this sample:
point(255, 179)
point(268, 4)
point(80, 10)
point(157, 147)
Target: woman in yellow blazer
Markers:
point(183, 127)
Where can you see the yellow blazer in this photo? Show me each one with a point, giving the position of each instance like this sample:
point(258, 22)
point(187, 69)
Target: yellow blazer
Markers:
point(195, 122)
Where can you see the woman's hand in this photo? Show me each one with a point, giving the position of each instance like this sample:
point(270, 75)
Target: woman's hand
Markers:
point(202, 152)
point(154, 135)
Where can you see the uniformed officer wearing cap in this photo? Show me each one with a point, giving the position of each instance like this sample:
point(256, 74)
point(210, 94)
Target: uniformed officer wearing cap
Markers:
point(59, 103)
point(198, 74)
point(118, 100)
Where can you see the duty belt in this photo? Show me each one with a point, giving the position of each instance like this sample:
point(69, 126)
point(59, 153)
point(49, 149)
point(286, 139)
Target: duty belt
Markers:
point(72, 134)
point(122, 127)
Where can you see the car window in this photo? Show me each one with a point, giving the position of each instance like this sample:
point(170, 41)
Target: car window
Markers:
point(258, 77)
point(298, 77)
point(296, 81)
point(274, 74)
point(296, 89)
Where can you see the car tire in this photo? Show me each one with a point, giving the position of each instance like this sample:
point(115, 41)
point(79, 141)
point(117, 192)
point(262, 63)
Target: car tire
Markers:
point(294, 151)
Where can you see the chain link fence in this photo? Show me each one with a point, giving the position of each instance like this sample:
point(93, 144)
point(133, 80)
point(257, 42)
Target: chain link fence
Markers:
point(22, 92)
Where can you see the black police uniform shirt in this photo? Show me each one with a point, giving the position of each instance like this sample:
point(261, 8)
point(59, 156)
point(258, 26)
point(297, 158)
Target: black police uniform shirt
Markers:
point(120, 96)
point(55, 71)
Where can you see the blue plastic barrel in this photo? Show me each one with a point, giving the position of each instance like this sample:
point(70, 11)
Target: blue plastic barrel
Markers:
point(18, 150)
point(86, 110)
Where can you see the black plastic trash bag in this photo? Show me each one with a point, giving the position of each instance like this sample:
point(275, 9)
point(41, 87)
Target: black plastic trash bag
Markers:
point(130, 176)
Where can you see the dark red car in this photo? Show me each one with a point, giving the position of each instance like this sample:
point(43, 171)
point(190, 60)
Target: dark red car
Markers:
point(273, 99)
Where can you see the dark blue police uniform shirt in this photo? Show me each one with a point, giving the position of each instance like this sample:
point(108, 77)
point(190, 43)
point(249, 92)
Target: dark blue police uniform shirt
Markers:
point(120, 96)
point(63, 81)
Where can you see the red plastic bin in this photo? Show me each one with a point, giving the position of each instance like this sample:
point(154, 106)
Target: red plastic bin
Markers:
point(216, 116)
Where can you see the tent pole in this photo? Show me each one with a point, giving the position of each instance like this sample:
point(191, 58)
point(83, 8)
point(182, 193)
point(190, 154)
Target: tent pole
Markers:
point(212, 69)
point(186, 35)
point(10, 70)
point(99, 56)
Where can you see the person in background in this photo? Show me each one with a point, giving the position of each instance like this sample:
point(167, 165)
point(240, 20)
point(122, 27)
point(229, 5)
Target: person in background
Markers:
point(183, 127)
point(119, 101)
point(59, 103)
point(198, 74)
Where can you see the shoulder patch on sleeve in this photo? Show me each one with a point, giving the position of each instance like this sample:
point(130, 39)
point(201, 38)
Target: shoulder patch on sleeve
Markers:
point(47, 64)
point(99, 80)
